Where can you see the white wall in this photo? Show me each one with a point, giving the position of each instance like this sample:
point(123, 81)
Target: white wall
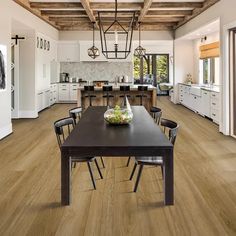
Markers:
point(225, 10)
point(183, 63)
point(9, 11)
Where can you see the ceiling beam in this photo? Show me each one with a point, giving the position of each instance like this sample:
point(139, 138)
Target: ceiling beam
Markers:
point(63, 13)
point(197, 11)
point(170, 13)
point(68, 19)
point(25, 4)
point(162, 19)
point(55, 5)
point(89, 11)
point(120, 5)
point(146, 5)
point(177, 5)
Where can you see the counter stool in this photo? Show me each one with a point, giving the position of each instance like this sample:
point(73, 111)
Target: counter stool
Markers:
point(156, 114)
point(142, 95)
point(89, 89)
point(124, 89)
point(106, 89)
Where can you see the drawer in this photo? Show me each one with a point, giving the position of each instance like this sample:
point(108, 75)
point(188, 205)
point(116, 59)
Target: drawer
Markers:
point(215, 104)
point(215, 115)
point(63, 86)
point(215, 95)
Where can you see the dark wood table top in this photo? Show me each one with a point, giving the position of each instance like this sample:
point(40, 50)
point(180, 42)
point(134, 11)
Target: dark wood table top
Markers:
point(93, 136)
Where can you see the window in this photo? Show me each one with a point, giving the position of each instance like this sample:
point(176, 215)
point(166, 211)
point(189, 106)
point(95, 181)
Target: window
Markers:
point(153, 69)
point(209, 71)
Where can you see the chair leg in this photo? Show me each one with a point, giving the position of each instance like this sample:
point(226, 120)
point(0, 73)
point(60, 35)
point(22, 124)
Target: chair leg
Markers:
point(138, 177)
point(103, 165)
point(132, 174)
point(99, 171)
point(128, 161)
point(74, 164)
point(162, 171)
point(91, 175)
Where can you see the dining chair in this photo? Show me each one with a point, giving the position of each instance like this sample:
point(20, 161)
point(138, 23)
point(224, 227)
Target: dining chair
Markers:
point(172, 127)
point(156, 114)
point(63, 128)
point(75, 113)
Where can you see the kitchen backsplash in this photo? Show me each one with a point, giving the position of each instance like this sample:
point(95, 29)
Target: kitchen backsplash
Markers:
point(97, 70)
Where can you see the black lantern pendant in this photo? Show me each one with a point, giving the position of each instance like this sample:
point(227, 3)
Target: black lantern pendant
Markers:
point(93, 51)
point(139, 51)
point(120, 29)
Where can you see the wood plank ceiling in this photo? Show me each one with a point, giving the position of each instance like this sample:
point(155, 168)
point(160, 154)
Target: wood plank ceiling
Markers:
point(154, 14)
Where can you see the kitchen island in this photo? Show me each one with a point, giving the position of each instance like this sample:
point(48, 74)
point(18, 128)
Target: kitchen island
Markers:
point(99, 100)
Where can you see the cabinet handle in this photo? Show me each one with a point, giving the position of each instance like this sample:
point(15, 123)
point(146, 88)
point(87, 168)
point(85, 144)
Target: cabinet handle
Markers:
point(40, 93)
point(213, 95)
point(205, 93)
point(75, 89)
point(213, 114)
point(64, 89)
point(195, 98)
point(213, 103)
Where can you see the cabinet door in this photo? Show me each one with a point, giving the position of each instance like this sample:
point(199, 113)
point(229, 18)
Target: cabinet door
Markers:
point(64, 92)
point(46, 99)
point(40, 101)
point(68, 52)
point(73, 92)
point(205, 108)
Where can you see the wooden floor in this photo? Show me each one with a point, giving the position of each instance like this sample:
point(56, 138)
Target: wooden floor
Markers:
point(205, 185)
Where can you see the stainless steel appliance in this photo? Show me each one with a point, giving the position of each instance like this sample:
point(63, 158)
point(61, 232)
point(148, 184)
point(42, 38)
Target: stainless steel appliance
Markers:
point(64, 77)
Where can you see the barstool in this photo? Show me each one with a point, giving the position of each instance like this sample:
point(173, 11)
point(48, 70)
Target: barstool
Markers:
point(89, 89)
point(124, 89)
point(156, 114)
point(106, 89)
point(142, 95)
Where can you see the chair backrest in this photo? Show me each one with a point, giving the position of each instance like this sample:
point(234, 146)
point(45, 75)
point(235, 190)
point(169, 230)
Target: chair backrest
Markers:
point(142, 88)
point(124, 88)
point(157, 117)
point(75, 113)
point(63, 128)
point(88, 87)
point(172, 127)
point(107, 88)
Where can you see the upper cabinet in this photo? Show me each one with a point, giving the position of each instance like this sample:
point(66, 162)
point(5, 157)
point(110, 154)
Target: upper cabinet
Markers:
point(68, 51)
point(84, 46)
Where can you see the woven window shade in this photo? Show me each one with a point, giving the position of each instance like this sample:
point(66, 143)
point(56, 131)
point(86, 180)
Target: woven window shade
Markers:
point(210, 50)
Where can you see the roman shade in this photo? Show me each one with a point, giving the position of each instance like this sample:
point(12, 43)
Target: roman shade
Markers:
point(210, 50)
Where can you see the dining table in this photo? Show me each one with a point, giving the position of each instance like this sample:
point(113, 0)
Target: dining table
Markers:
point(93, 136)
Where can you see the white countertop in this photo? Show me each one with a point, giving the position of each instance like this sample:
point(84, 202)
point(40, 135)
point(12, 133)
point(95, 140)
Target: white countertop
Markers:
point(212, 88)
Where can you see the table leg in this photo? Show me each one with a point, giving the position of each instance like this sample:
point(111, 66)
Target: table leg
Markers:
point(65, 179)
point(169, 178)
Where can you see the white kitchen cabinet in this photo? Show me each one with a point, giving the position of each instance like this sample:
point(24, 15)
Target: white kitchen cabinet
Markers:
point(215, 107)
point(63, 92)
point(53, 94)
point(73, 92)
point(206, 103)
point(84, 46)
point(68, 52)
point(46, 100)
point(40, 101)
point(43, 99)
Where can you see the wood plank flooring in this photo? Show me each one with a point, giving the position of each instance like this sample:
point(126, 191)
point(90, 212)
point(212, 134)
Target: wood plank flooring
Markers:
point(205, 185)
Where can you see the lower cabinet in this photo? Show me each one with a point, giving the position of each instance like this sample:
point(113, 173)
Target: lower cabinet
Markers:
point(43, 99)
point(204, 102)
point(67, 92)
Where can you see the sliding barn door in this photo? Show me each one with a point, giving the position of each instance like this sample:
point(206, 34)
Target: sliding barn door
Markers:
point(232, 68)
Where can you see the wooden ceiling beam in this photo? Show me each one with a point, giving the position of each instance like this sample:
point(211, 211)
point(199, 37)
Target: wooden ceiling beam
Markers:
point(55, 5)
point(111, 5)
point(162, 19)
point(197, 11)
point(63, 13)
point(69, 19)
point(170, 13)
point(25, 4)
point(89, 11)
point(146, 5)
point(177, 5)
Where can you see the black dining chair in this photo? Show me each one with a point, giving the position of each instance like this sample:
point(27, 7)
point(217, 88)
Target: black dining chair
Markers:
point(89, 89)
point(63, 128)
point(156, 114)
point(142, 95)
point(155, 161)
point(106, 93)
point(124, 89)
point(75, 113)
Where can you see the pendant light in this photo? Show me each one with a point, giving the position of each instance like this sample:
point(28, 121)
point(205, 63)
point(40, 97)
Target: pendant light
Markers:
point(93, 52)
point(118, 29)
point(140, 51)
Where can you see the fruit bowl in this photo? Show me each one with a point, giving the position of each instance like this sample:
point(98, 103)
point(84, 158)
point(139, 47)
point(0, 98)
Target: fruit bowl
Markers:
point(118, 116)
